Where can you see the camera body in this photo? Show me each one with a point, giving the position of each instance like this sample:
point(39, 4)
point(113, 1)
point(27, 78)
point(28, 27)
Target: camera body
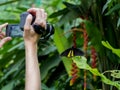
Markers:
point(16, 30)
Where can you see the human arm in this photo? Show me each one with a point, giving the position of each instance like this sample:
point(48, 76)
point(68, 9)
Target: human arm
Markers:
point(32, 80)
point(3, 39)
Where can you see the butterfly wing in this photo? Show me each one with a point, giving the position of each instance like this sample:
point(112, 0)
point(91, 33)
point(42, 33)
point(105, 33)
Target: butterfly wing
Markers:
point(70, 52)
point(78, 52)
point(67, 53)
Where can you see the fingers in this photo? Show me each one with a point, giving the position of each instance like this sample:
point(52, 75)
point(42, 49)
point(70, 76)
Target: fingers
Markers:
point(2, 35)
point(41, 16)
point(32, 10)
point(2, 26)
point(3, 41)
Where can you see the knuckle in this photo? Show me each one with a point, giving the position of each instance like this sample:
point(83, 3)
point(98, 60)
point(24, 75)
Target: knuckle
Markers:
point(42, 24)
point(37, 21)
point(26, 28)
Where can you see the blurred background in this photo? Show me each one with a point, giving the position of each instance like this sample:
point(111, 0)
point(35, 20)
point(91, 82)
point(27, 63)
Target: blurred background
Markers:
point(83, 24)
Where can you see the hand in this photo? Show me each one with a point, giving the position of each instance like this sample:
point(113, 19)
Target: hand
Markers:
point(30, 36)
point(3, 39)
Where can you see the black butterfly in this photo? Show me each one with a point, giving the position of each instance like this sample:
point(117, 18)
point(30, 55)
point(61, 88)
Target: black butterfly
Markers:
point(70, 52)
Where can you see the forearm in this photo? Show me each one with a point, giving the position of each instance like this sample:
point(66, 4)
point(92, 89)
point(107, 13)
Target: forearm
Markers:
point(31, 38)
point(32, 68)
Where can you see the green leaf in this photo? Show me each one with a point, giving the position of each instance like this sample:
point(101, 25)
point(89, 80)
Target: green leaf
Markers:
point(68, 17)
point(82, 64)
point(9, 20)
point(62, 44)
point(47, 50)
point(9, 86)
point(22, 8)
point(44, 87)
point(9, 2)
point(11, 51)
point(115, 51)
point(106, 5)
point(13, 11)
point(115, 73)
point(13, 69)
point(46, 67)
point(78, 10)
point(58, 13)
point(107, 45)
point(72, 7)
point(116, 7)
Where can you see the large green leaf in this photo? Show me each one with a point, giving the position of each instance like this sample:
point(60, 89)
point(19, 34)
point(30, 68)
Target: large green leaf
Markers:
point(81, 62)
point(62, 44)
point(49, 64)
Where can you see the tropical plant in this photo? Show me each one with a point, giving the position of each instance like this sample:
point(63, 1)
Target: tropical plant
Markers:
point(100, 18)
point(82, 24)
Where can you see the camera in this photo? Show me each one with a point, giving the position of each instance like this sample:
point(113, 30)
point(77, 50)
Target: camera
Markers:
point(16, 30)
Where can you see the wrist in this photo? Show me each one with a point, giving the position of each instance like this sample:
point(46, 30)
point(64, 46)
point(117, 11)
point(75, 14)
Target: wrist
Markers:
point(31, 45)
point(31, 50)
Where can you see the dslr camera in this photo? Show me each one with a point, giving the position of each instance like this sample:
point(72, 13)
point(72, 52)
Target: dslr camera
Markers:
point(16, 30)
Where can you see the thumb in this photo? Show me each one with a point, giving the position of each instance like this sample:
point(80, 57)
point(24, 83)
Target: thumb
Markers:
point(3, 25)
point(28, 21)
point(3, 41)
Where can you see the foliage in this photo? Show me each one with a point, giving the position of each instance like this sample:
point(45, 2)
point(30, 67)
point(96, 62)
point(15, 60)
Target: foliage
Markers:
point(107, 45)
point(81, 63)
point(100, 19)
point(12, 54)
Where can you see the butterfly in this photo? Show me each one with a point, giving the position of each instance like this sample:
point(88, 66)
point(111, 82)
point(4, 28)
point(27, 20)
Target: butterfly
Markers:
point(70, 52)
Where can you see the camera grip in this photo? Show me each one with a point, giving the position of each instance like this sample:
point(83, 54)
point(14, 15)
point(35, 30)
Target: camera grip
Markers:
point(23, 17)
point(38, 29)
